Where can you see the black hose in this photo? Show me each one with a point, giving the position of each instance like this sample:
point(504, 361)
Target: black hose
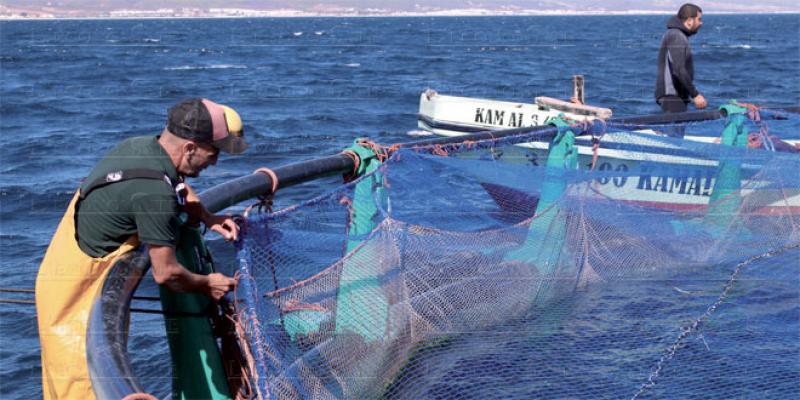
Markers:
point(250, 186)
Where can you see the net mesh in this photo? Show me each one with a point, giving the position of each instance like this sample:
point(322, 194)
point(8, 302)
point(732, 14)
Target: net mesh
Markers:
point(660, 268)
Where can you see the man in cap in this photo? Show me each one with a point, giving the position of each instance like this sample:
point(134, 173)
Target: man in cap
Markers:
point(135, 195)
point(675, 82)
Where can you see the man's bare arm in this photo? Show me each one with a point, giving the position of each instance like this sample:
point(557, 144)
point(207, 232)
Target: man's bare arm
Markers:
point(222, 224)
point(169, 272)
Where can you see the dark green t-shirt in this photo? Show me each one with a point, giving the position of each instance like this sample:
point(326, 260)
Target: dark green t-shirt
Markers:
point(110, 214)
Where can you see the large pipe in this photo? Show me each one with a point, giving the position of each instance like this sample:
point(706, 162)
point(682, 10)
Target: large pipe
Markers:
point(246, 187)
point(107, 334)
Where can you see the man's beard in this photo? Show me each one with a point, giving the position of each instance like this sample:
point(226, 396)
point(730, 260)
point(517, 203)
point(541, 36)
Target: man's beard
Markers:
point(195, 172)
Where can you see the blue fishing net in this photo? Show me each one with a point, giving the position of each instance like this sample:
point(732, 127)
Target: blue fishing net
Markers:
point(656, 264)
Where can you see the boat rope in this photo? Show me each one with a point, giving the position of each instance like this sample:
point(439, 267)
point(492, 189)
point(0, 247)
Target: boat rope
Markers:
point(17, 290)
point(241, 370)
point(754, 114)
point(132, 309)
point(17, 301)
point(596, 140)
point(382, 153)
point(362, 152)
point(439, 150)
point(265, 201)
point(32, 291)
point(697, 324)
point(170, 313)
point(595, 153)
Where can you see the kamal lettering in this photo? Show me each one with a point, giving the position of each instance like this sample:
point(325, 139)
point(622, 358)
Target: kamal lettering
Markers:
point(696, 184)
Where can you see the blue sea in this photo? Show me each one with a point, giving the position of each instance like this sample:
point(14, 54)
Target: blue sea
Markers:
point(306, 87)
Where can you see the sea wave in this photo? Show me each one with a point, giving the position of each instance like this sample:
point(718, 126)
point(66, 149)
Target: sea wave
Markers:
point(199, 67)
point(418, 133)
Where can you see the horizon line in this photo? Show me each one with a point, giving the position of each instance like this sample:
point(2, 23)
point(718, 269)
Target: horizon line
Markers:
point(450, 13)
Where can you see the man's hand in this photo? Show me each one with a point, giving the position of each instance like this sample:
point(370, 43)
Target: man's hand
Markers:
point(699, 102)
point(219, 284)
point(223, 225)
point(168, 272)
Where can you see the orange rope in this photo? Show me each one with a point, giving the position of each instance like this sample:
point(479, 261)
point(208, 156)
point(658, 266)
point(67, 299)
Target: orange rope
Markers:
point(752, 111)
point(356, 164)
point(583, 125)
point(381, 152)
point(595, 148)
point(246, 388)
point(272, 175)
point(246, 363)
point(749, 106)
point(439, 150)
point(262, 204)
point(345, 201)
point(753, 141)
point(296, 305)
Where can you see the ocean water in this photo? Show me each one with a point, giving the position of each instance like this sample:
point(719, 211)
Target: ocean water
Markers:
point(306, 87)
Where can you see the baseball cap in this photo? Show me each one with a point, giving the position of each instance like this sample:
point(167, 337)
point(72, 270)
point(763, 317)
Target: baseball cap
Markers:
point(202, 120)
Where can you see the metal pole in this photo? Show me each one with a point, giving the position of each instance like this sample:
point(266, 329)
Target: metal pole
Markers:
point(577, 88)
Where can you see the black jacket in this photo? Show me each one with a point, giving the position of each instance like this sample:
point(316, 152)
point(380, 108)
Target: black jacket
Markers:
point(675, 66)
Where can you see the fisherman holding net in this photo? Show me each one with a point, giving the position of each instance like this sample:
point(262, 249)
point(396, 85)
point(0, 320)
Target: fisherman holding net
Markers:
point(135, 195)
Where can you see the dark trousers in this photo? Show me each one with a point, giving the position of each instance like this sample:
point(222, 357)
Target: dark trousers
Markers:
point(673, 104)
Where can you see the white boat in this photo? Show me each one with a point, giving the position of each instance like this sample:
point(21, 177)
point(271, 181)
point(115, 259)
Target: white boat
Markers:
point(454, 116)
point(689, 189)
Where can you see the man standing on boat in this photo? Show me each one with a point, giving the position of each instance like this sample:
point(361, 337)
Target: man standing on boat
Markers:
point(135, 195)
point(675, 83)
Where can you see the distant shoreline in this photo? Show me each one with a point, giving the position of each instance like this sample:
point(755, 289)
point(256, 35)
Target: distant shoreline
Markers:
point(393, 15)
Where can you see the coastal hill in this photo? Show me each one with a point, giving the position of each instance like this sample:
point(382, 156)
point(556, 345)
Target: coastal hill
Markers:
point(277, 8)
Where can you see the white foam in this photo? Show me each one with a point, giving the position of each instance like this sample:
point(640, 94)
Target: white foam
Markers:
point(419, 132)
point(199, 67)
point(353, 65)
point(298, 33)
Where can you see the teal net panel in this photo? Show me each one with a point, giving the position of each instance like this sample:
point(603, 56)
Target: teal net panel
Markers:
point(669, 270)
